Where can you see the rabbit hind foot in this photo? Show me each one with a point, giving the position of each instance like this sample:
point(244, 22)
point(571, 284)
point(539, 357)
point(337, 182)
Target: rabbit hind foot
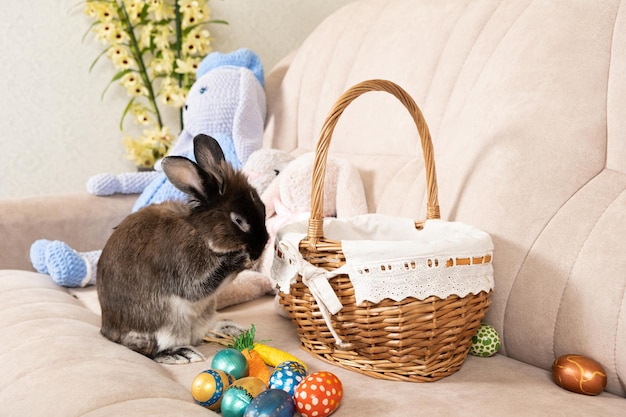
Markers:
point(179, 356)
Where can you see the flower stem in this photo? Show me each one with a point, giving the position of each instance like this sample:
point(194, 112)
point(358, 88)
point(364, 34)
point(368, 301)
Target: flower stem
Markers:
point(179, 47)
point(134, 47)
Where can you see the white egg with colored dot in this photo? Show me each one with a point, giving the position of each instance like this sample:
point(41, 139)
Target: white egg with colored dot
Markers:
point(486, 341)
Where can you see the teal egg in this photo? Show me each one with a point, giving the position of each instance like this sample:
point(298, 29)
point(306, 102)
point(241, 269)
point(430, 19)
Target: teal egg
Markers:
point(231, 361)
point(239, 395)
point(486, 341)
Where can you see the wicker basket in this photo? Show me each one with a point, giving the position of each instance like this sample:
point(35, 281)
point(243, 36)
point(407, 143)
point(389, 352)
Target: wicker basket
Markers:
point(416, 340)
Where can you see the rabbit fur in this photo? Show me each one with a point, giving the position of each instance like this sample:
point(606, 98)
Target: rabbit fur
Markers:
point(159, 272)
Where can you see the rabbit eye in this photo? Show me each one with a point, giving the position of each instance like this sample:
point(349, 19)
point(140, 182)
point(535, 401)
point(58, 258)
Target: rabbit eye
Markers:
point(240, 222)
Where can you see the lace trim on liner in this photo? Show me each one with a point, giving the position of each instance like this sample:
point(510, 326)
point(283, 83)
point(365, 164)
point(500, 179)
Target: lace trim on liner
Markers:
point(421, 278)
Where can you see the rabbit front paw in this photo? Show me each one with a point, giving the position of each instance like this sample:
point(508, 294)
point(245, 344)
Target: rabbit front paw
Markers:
point(179, 356)
point(229, 328)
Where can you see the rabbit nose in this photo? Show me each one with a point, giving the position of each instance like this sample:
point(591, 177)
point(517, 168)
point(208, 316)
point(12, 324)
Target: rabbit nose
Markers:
point(260, 247)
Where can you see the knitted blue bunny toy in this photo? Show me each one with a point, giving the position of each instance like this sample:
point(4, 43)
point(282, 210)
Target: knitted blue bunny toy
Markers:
point(227, 102)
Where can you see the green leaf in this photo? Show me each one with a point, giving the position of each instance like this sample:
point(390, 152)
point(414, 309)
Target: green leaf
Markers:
point(89, 30)
point(93, 64)
point(126, 109)
point(221, 22)
point(115, 78)
point(190, 28)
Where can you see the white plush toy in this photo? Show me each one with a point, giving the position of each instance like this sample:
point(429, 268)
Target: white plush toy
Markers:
point(288, 198)
point(286, 182)
point(227, 101)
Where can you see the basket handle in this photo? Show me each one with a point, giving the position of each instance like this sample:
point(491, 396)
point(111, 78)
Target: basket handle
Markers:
point(315, 230)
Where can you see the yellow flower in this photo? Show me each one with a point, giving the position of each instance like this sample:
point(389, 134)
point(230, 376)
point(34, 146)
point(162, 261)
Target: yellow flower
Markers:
point(187, 66)
point(145, 35)
point(130, 80)
point(157, 61)
point(197, 42)
point(140, 113)
point(162, 37)
point(138, 152)
point(194, 12)
point(152, 145)
point(118, 52)
point(201, 39)
point(101, 11)
point(137, 91)
point(164, 64)
point(110, 32)
point(171, 94)
point(160, 9)
point(133, 85)
point(133, 8)
point(123, 61)
point(163, 138)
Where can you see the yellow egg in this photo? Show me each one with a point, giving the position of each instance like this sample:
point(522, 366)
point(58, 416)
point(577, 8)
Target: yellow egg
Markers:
point(209, 386)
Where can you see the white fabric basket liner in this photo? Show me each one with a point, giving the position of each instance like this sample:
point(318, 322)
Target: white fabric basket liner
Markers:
point(387, 257)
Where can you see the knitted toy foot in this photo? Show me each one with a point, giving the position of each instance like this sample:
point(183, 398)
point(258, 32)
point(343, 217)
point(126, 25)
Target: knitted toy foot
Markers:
point(69, 268)
point(38, 255)
point(125, 183)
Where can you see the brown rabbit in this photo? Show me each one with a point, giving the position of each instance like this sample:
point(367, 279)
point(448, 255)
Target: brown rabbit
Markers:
point(160, 269)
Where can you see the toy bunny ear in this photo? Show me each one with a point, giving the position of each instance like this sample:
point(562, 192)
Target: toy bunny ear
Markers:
point(350, 198)
point(249, 117)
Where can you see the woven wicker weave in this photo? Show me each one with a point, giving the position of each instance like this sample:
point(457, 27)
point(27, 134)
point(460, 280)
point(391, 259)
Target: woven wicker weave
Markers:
point(411, 340)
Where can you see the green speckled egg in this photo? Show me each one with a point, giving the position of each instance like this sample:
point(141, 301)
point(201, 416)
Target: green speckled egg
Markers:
point(485, 342)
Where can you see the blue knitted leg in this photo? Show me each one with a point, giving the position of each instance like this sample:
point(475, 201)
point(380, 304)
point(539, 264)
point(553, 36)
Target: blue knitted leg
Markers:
point(38, 255)
point(67, 267)
point(92, 265)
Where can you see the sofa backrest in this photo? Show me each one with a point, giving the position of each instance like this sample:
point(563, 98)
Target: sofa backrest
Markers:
point(526, 104)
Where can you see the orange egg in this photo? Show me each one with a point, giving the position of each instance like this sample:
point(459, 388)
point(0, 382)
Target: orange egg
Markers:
point(319, 394)
point(579, 374)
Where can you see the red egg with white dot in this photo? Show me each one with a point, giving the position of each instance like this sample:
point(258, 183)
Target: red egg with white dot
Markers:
point(318, 395)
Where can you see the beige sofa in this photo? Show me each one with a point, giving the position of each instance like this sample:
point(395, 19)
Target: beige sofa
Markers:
point(526, 102)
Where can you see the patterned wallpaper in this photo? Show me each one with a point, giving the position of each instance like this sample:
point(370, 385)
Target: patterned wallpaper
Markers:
point(57, 131)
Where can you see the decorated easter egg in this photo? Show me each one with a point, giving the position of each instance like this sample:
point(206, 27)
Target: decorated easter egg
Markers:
point(239, 395)
point(287, 375)
point(486, 341)
point(231, 361)
point(209, 386)
point(271, 403)
point(319, 394)
point(579, 374)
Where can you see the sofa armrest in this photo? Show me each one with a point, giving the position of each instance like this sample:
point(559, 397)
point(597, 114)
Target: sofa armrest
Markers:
point(82, 220)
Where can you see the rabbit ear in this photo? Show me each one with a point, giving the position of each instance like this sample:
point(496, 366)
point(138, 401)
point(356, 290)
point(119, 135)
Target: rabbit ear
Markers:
point(183, 174)
point(208, 152)
point(210, 159)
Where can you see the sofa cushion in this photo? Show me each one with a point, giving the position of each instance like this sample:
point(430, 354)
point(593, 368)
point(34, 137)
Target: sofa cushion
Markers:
point(524, 100)
point(55, 363)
